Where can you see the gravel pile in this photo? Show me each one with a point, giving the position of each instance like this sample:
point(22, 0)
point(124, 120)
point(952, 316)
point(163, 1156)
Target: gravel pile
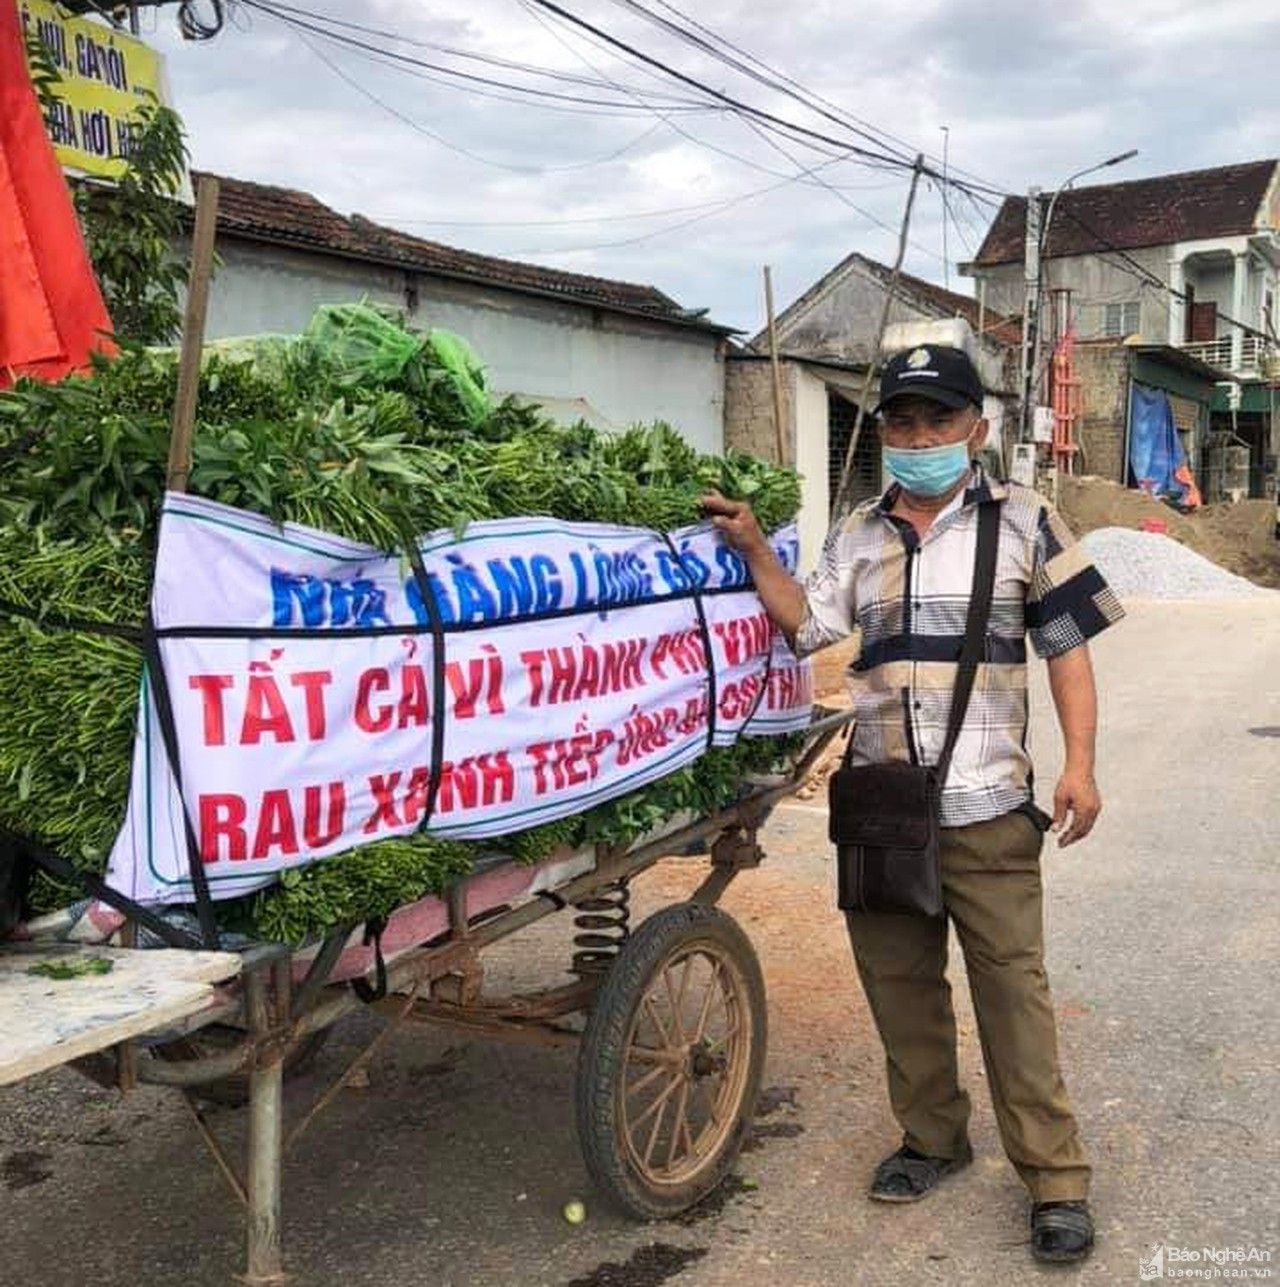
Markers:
point(1146, 565)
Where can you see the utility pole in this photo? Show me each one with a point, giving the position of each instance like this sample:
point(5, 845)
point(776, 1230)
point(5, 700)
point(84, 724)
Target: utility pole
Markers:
point(778, 430)
point(946, 258)
point(1030, 312)
point(846, 474)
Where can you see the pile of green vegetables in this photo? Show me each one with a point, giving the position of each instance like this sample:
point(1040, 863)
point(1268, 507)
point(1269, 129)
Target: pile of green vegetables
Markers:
point(358, 427)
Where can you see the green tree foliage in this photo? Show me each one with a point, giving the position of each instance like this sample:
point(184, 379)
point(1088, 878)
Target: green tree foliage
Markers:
point(130, 226)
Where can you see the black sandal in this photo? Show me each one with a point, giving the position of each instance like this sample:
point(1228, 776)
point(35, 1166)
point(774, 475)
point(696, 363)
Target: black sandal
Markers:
point(908, 1176)
point(1061, 1232)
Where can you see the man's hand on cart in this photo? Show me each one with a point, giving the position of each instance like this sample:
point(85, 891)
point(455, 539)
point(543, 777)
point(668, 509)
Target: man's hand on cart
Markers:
point(782, 595)
point(736, 522)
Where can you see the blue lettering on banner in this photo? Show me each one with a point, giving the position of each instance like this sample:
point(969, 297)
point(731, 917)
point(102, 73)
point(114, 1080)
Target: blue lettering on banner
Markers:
point(320, 601)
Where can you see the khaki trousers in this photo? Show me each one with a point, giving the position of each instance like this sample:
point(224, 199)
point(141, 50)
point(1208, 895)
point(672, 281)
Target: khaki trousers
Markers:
point(991, 887)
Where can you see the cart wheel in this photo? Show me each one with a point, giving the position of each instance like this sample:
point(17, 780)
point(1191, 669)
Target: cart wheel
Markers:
point(216, 1039)
point(671, 1061)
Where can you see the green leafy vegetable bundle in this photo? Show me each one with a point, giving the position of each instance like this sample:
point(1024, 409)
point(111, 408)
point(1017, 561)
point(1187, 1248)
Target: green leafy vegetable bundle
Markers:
point(359, 427)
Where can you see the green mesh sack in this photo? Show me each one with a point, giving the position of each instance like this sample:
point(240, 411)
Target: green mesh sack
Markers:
point(454, 355)
point(360, 344)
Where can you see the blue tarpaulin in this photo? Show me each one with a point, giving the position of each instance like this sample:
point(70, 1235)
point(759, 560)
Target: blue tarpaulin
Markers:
point(1157, 462)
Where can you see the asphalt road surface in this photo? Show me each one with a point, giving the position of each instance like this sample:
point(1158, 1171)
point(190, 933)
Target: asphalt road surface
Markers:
point(452, 1166)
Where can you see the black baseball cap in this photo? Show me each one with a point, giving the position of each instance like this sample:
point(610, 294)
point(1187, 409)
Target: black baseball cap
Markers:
point(934, 371)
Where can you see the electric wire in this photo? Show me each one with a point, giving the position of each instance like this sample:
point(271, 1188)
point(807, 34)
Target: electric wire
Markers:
point(466, 79)
point(417, 126)
point(728, 100)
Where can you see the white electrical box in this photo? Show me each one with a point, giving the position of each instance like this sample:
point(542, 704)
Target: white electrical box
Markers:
point(1022, 468)
point(1042, 424)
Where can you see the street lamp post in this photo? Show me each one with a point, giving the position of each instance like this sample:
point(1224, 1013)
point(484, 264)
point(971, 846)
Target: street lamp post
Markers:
point(1037, 239)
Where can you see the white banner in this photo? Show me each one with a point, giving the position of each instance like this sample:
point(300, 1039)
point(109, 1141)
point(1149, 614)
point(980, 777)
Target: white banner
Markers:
point(301, 673)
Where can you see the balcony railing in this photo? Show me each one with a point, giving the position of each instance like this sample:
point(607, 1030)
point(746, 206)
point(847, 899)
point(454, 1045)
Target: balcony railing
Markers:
point(1257, 355)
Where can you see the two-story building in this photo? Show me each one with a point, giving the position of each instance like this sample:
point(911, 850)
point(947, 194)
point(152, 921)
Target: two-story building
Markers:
point(1184, 271)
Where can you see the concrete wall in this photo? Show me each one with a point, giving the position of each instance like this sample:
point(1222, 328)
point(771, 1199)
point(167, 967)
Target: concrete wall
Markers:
point(749, 427)
point(1103, 371)
point(628, 369)
point(1094, 282)
point(842, 323)
point(748, 408)
point(811, 423)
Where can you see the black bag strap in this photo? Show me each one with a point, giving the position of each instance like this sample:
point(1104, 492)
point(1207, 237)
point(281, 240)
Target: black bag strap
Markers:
point(975, 630)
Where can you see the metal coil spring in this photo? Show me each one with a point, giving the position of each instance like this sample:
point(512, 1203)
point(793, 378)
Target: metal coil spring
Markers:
point(604, 922)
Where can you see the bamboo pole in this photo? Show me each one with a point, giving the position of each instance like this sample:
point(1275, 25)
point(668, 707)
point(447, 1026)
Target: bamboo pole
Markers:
point(184, 406)
point(777, 371)
point(846, 475)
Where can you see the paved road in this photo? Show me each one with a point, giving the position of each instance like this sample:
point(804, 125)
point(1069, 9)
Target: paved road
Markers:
point(452, 1166)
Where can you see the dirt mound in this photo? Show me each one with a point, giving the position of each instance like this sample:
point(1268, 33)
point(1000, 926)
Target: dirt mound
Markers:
point(1240, 538)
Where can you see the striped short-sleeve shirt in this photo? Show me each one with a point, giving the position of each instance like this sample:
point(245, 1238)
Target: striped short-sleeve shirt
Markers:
point(909, 598)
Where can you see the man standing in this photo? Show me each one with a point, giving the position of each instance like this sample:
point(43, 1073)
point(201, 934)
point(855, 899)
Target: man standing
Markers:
point(900, 569)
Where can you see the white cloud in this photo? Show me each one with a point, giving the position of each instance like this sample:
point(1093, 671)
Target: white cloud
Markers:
point(1030, 93)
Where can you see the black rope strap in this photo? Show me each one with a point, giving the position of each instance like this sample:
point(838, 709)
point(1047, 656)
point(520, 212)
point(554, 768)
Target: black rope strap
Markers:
point(432, 609)
point(708, 652)
point(81, 625)
point(56, 865)
point(169, 735)
point(373, 934)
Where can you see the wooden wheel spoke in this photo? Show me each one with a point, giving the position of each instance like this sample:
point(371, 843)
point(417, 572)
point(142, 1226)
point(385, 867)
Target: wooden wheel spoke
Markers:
point(648, 1079)
point(722, 1039)
point(681, 993)
point(663, 1100)
point(681, 1124)
point(677, 1024)
point(652, 1011)
point(648, 1055)
point(658, 1102)
point(705, 1012)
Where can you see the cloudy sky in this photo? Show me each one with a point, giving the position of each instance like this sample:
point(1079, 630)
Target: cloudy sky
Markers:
point(658, 186)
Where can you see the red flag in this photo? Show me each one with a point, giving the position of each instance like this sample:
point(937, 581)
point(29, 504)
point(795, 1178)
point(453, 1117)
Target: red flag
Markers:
point(51, 310)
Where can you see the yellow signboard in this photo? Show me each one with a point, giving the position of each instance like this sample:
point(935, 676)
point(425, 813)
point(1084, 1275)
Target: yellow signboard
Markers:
point(105, 76)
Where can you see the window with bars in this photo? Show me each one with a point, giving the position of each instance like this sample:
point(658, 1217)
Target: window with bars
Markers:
point(841, 415)
point(1121, 319)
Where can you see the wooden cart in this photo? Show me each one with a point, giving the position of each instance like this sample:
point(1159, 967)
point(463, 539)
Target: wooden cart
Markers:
point(670, 1055)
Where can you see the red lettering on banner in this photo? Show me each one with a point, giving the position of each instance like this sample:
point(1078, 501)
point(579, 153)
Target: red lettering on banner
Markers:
point(478, 780)
point(382, 786)
point(415, 796)
point(789, 689)
point(313, 683)
point(276, 829)
point(264, 710)
point(316, 833)
point(561, 662)
point(371, 721)
point(483, 674)
point(588, 684)
point(222, 819)
point(414, 707)
point(744, 638)
point(682, 649)
point(568, 761)
point(643, 733)
point(211, 688)
point(591, 670)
